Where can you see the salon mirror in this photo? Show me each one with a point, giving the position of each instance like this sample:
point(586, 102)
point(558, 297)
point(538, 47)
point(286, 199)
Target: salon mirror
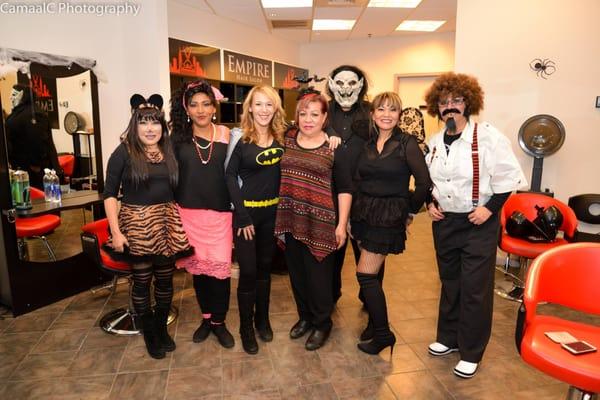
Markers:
point(65, 104)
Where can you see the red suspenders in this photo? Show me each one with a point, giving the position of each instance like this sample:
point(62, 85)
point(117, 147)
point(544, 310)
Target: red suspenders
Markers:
point(475, 159)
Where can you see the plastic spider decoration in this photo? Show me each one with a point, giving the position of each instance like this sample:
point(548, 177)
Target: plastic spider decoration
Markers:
point(543, 67)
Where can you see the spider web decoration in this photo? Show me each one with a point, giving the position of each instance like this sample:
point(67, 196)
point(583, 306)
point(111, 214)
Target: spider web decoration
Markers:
point(543, 67)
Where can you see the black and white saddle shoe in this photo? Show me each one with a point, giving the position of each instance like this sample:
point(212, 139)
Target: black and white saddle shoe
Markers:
point(465, 369)
point(437, 349)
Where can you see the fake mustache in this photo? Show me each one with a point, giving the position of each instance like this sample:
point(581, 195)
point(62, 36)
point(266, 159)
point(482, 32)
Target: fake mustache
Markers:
point(450, 110)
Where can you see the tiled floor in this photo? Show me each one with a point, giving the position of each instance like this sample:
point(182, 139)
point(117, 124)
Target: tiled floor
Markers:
point(59, 352)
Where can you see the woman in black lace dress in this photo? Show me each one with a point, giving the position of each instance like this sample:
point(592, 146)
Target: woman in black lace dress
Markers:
point(382, 206)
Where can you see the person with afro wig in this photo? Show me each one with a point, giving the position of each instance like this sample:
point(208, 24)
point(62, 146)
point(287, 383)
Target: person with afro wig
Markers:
point(474, 170)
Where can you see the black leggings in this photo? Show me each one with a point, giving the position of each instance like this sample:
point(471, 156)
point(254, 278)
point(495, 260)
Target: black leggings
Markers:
point(163, 286)
point(256, 256)
point(213, 296)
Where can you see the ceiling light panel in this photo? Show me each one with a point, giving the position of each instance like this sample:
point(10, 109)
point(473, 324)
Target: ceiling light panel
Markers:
point(333, 24)
point(421, 26)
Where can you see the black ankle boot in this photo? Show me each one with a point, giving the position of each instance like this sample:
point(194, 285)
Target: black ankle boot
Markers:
point(223, 335)
point(161, 315)
point(379, 343)
point(375, 301)
point(368, 333)
point(150, 337)
point(246, 306)
point(202, 331)
point(261, 318)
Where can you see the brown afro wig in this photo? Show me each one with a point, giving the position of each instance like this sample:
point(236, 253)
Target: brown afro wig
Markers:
point(456, 85)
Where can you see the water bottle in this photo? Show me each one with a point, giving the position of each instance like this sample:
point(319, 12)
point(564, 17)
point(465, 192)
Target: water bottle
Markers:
point(56, 195)
point(47, 180)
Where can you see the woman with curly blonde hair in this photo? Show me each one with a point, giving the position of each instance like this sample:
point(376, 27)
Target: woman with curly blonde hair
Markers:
point(253, 175)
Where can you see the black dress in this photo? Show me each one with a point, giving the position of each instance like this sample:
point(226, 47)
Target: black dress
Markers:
point(383, 199)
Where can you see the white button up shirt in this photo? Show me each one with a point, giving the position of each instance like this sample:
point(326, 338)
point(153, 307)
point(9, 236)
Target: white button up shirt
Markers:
point(452, 173)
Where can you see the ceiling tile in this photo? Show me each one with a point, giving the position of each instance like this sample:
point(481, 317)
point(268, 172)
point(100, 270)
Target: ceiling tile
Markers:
point(243, 11)
point(337, 12)
point(322, 36)
point(379, 22)
point(288, 13)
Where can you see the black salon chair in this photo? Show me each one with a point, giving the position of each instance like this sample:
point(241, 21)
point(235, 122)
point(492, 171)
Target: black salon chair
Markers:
point(583, 205)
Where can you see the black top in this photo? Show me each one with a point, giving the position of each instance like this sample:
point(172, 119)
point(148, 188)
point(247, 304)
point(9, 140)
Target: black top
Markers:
point(202, 185)
point(353, 127)
point(259, 170)
point(387, 174)
point(157, 189)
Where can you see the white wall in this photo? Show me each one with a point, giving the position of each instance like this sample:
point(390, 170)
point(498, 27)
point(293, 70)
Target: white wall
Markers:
point(194, 25)
point(496, 41)
point(131, 54)
point(382, 58)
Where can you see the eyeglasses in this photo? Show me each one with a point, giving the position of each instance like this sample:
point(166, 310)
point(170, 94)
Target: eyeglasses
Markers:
point(457, 101)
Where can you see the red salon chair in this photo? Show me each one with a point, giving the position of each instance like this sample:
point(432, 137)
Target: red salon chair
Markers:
point(524, 249)
point(36, 227)
point(67, 163)
point(120, 321)
point(567, 275)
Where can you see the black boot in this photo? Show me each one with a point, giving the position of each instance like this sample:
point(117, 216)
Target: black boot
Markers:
point(161, 315)
point(368, 332)
point(151, 338)
point(246, 306)
point(223, 335)
point(375, 301)
point(261, 318)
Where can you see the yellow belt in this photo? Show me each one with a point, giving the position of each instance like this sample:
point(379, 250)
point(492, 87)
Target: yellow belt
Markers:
point(261, 203)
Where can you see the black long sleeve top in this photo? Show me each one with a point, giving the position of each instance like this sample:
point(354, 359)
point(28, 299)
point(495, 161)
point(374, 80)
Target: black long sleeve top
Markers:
point(202, 185)
point(259, 171)
point(155, 190)
point(387, 174)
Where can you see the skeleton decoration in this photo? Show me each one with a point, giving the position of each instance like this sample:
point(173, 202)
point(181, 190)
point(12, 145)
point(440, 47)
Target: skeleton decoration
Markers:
point(346, 87)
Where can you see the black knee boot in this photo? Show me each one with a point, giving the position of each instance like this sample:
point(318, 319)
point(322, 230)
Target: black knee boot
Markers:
point(246, 306)
point(375, 300)
point(161, 315)
point(150, 337)
point(261, 318)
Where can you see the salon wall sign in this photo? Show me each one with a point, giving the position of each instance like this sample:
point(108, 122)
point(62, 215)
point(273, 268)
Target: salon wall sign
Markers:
point(241, 68)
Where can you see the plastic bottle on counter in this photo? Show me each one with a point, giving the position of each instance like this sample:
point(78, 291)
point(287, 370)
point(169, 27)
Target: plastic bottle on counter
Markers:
point(47, 180)
point(56, 194)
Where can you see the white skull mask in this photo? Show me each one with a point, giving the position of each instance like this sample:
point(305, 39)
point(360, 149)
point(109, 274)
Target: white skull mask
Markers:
point(15, 97)
point(346, 87)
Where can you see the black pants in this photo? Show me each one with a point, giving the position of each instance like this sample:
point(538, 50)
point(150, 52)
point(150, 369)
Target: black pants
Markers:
point(255, 256)
point(466, 256)
point(311, 283)
point(212, 295)
point(340, 255)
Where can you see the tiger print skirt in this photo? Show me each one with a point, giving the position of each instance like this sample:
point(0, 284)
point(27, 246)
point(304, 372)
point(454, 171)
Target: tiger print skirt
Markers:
point(154, 233)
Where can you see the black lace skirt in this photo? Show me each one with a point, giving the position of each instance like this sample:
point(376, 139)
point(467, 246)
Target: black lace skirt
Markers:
point(379, 223)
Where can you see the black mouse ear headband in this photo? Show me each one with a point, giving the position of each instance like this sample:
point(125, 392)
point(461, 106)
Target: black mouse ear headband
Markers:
point(138, 101)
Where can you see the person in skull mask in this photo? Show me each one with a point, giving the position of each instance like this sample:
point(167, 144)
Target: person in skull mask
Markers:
point(30, 144)
point(349, 118)
point(474, 170)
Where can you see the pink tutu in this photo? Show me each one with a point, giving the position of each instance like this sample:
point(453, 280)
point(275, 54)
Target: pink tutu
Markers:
point(210, 233)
